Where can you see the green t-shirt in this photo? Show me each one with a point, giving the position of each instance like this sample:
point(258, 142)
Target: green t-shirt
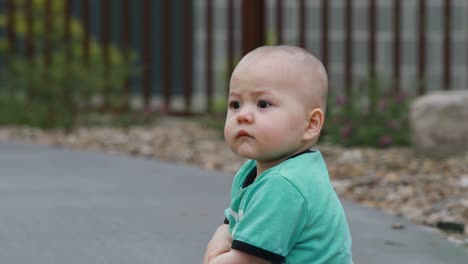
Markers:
point(289, 214)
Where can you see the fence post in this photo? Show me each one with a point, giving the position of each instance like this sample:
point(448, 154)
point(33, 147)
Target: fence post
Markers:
point(422, 47)
point(396, 44)
point(106, 37)
point(126, 48)
point(447, 43)
point(324, 45)
point(209, 56)
point(66, 30)
point(86, 25)
point(167, 57)
point(10, 8)
point(373, 93)
point(29, 29)
point(279, 21)
point(372, 39)
point(348, 80)
point(230, 44)
point(253, 24)
point(302, 24)
point(188, 55)
point(105, 28)
point(47, 24)
point(146, 52)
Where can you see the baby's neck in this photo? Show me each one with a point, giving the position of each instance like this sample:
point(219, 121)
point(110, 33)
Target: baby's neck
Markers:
point(265, 165)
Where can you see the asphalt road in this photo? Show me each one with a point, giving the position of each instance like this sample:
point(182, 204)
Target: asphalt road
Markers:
point(62, 206)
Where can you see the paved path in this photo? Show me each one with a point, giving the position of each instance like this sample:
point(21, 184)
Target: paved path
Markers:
point(62, 206)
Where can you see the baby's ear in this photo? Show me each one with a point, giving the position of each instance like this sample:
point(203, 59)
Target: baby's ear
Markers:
point(315, 123)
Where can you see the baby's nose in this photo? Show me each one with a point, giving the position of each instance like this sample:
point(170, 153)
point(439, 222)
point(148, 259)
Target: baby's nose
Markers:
point(245, 116)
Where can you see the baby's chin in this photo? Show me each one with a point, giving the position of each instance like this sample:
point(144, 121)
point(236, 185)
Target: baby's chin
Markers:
point(244, 152)
point(257, 157)
point(245, 155)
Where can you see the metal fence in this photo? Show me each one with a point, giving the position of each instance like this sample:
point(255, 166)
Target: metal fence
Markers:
point(188, 48)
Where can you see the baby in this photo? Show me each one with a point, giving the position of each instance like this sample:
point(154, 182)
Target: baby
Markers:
point(283, 208)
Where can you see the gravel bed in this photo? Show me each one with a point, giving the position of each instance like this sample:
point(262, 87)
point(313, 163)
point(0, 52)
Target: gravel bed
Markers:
point(426, 191)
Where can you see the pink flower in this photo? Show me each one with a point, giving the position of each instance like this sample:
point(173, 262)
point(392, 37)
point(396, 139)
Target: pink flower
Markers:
point(382, 105)
point(346, 131)
point(336, 120)
point(385, 141)
point(341, 100)
point(393, 124)
point(401, 97)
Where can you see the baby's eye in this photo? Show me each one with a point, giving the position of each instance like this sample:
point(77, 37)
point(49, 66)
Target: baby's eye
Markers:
point(263, 104)
point(234, 105)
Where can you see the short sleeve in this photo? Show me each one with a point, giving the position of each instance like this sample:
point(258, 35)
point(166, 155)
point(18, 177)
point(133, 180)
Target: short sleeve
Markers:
point(271, 219)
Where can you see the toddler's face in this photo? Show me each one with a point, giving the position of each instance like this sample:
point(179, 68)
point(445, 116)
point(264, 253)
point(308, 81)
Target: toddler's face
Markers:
point(266, 118)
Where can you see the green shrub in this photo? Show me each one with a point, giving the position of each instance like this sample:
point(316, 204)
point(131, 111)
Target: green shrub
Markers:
point(54, 94)
point(370, 118)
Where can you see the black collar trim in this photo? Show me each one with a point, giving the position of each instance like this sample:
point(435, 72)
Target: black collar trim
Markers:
point(253, 173)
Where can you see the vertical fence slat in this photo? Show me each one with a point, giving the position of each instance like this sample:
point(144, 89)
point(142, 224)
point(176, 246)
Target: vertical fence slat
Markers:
point(86, 26)
point(209, 56)
point(66, 29)
point(47, 25)
point(447, 44)
point(372, 74)
point(188, 55)
point(325, 20)
point(253, 24)
point(422, 47)
point(146, 52)
point(396, 44)
point(10, 26)
point(167, 57)
point(348, 80)
point(29, 38)
point(106, 7)
point(372, 39)
point(230, 44)
point(29, 29)
point(279, 21)
point(105, 28)
point(126, 46)
point(302, 24)
point(86, 17)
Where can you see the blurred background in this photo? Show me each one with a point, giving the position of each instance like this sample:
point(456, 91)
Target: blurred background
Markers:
point(150, 78)
point(59, 58)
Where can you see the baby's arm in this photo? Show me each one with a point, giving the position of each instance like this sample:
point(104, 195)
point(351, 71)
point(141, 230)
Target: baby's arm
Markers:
point(219, 250)
point(220, 243)
point(237, 257)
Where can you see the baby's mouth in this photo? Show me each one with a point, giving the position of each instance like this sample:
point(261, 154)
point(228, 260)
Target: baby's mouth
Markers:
point(242, 133)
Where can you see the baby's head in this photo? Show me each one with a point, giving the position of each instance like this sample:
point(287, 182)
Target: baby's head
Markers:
point(281, 64)
point(276, 104)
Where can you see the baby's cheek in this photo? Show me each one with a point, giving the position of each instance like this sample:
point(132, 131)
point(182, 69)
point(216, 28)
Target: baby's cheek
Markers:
point(280, 138)
point(227, 128)
point(226, 134)
point(273, 131)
